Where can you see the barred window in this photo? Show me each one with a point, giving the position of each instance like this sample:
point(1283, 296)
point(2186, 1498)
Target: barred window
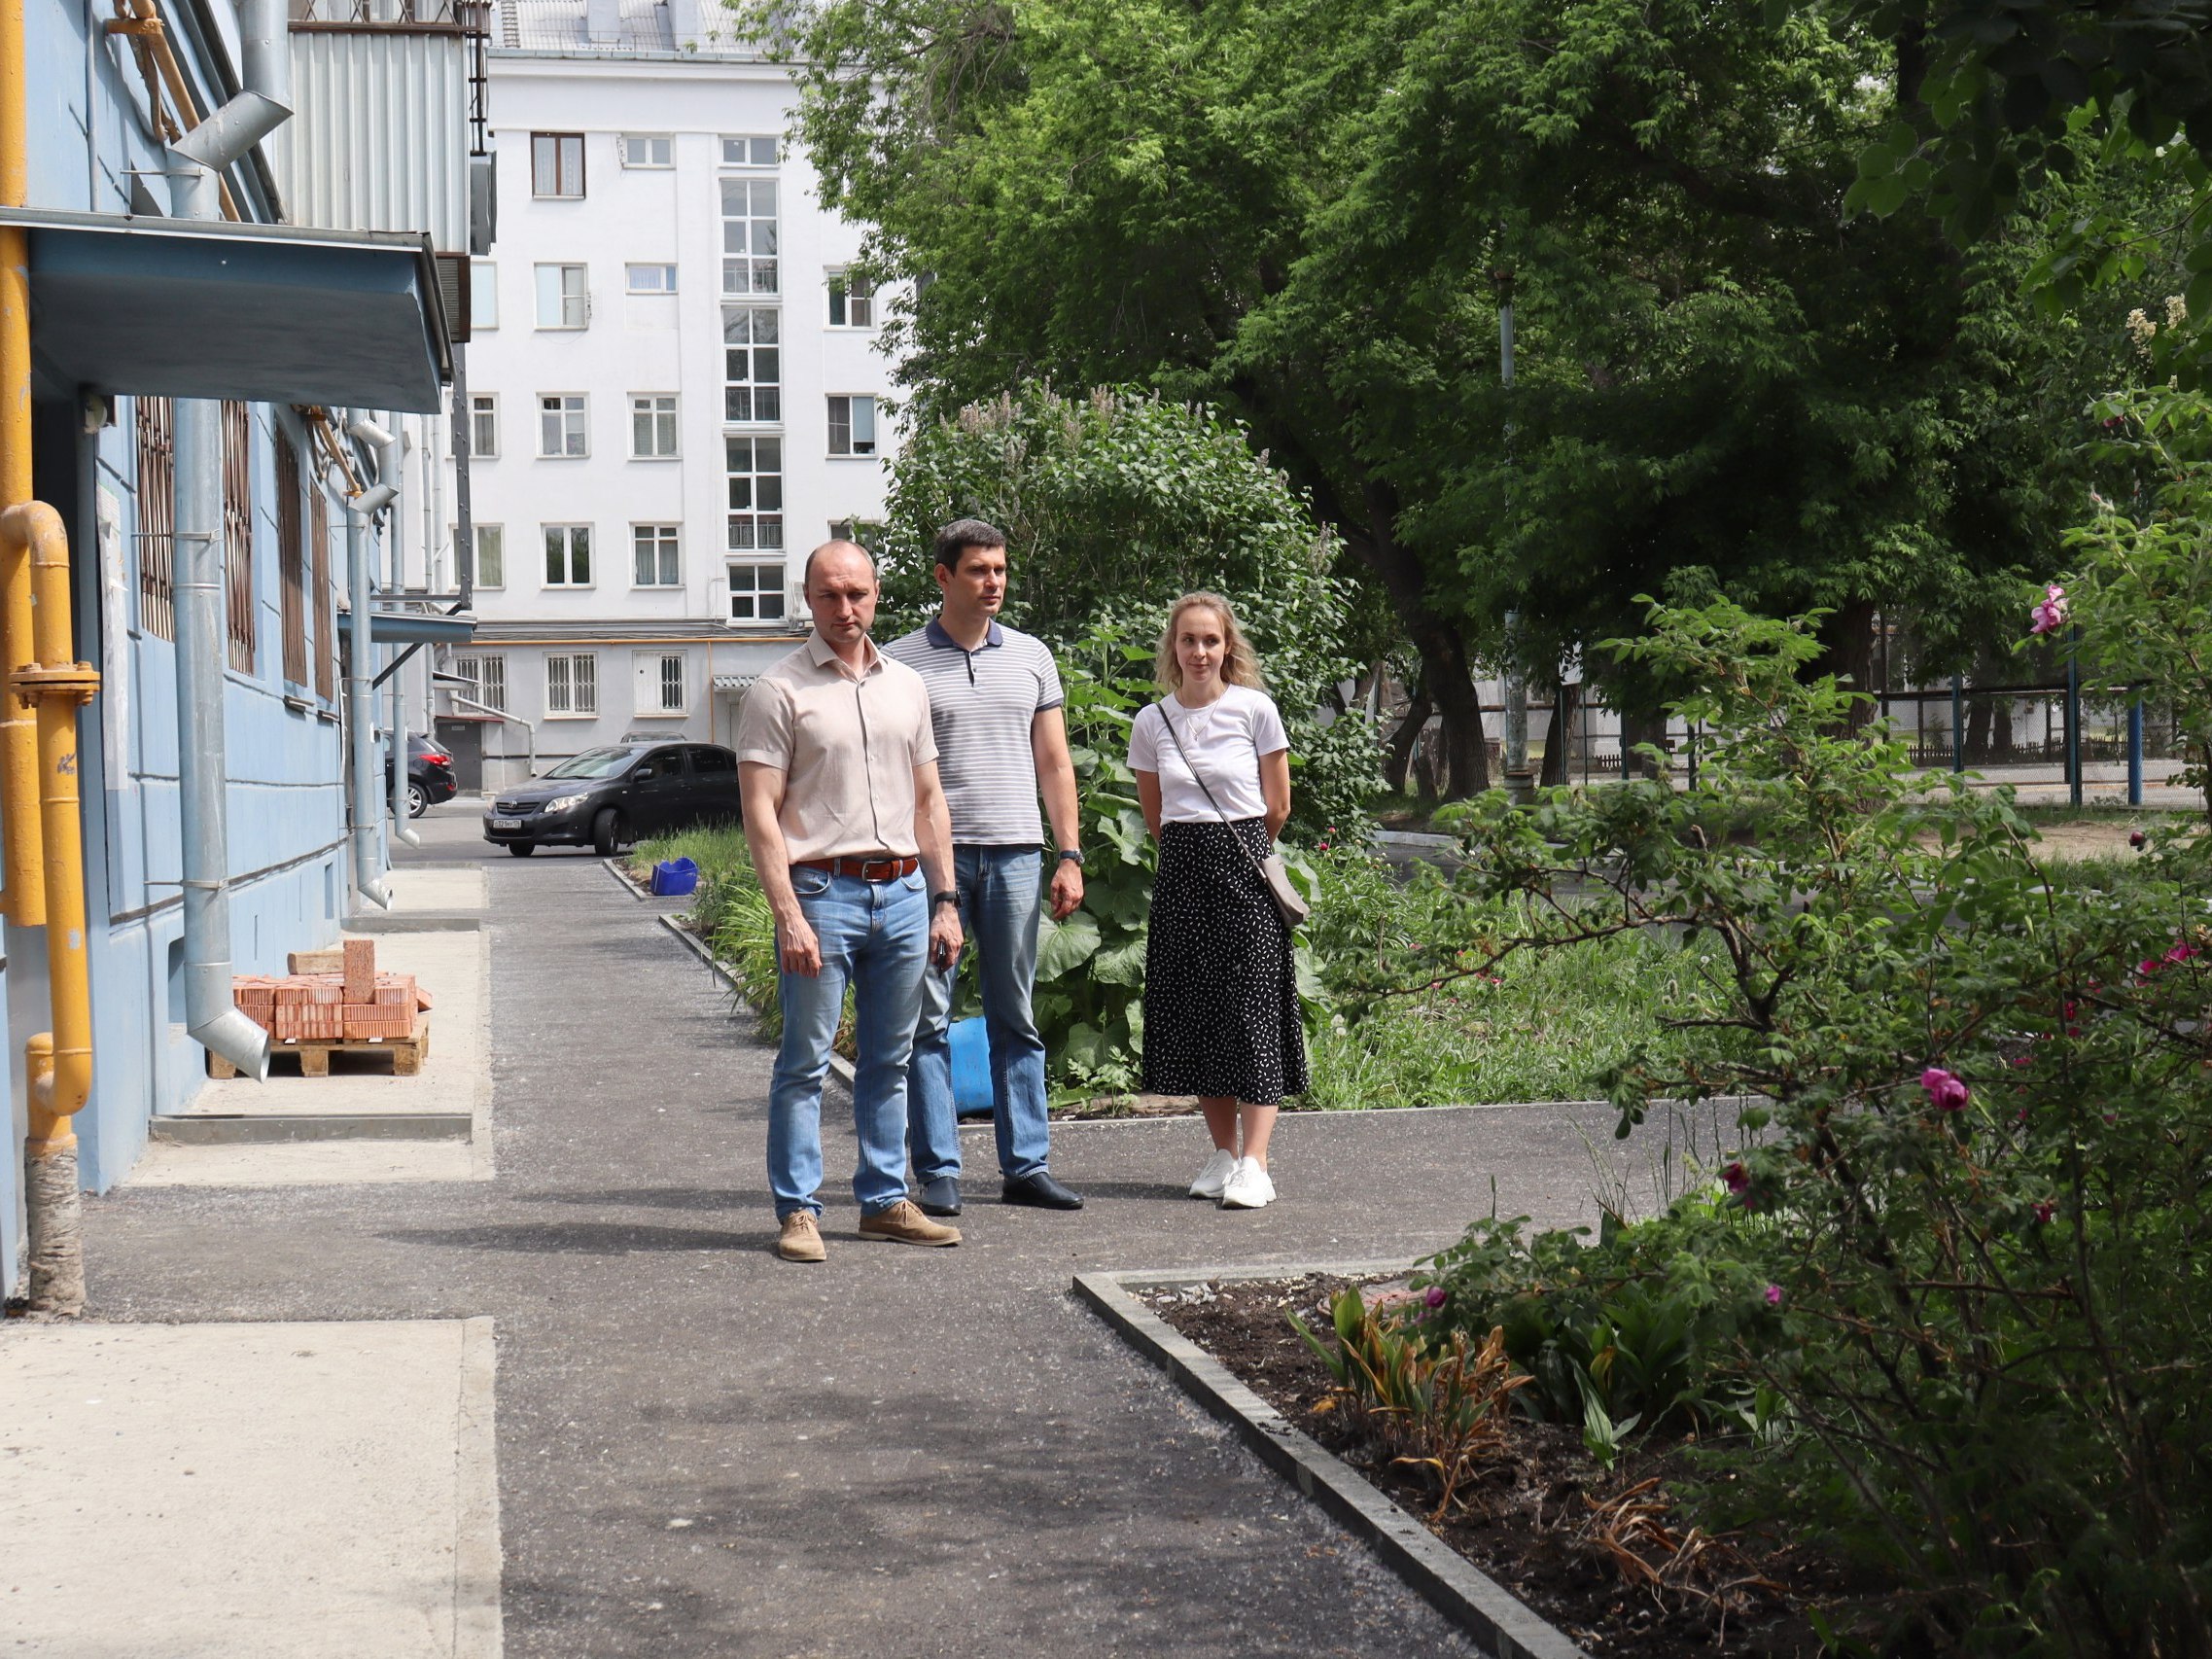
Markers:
point(486, 677)
point(156, 517)
point(238, 531)
point(291, 561)
point(572, 685)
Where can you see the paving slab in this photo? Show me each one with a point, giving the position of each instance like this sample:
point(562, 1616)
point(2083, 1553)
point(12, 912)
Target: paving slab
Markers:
point(708, 1452)
point(261, 1491)
point(413, 887)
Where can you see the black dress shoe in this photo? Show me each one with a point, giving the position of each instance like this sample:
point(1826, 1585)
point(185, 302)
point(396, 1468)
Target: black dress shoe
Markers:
point(1040, 1192)
point(941, 1196)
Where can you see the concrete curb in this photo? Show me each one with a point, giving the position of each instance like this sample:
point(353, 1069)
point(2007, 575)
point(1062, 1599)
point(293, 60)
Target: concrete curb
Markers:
point(1502, 1626)
point(234, 1129)
point(839, 1066)
point(478, 1630)
point(415, 921)
point(613, 867)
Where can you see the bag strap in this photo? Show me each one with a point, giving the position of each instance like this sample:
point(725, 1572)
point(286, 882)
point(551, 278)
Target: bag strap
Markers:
point(1199, 778)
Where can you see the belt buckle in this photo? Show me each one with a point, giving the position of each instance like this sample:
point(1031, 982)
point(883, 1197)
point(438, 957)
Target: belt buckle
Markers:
point(869, 866)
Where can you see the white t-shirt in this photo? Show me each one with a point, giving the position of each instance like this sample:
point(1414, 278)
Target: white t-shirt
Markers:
point(1225, 740)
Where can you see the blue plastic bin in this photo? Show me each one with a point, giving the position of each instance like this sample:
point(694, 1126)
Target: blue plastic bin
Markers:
point(672, 878)
point(971, 1067)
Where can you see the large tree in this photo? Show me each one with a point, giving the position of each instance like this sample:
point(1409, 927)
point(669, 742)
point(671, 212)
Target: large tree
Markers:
point(1309, 210)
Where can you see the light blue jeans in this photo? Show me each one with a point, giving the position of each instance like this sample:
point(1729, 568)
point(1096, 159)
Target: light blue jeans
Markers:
point(1002, 892)
point(874, 936)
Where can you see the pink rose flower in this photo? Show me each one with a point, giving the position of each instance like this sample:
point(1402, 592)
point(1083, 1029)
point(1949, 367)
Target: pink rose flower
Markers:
point(1736, 1178)
point(1774, 1295)
point(1437, 1296)
point(2043, 1211)
point(2050, 616)
point(1946, 1090)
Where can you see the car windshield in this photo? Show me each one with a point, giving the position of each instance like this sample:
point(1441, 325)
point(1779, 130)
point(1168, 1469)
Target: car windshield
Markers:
point(593, 763)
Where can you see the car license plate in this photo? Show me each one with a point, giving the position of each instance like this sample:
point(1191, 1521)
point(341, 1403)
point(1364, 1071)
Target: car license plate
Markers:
point(507, 824)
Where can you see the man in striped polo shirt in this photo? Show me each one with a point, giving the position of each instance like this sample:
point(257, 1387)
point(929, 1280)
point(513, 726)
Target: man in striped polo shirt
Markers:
point(995, 704)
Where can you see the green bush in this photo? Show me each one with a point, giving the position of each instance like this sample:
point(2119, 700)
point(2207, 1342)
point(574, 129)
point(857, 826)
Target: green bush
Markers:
point(1959, 1280)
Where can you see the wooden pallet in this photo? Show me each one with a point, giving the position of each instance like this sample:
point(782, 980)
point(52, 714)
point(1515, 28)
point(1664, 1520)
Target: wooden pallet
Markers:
point(408, 1052)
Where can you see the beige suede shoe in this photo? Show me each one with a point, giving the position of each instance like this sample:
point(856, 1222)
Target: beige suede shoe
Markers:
point(801, 1239)
point(904, 1223)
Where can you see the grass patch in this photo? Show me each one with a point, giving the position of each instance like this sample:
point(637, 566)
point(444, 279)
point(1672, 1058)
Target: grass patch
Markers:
point(1545, 1028)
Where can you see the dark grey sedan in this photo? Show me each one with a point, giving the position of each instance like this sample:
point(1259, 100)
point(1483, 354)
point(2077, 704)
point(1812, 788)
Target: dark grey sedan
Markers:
point(607, 798)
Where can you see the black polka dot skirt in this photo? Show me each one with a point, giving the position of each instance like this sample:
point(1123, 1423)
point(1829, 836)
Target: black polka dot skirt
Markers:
point(1220, 991)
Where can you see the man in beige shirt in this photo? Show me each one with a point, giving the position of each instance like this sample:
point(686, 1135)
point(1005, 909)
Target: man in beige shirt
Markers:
point(853, 846)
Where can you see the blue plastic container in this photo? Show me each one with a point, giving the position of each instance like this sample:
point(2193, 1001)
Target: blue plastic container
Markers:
point(971, 1067)
point(672, 878)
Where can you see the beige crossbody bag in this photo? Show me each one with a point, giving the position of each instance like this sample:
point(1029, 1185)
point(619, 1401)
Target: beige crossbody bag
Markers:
point(1272, 870)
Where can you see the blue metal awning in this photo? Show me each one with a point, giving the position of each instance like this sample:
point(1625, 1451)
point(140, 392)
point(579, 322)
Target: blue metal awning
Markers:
point(261, 313)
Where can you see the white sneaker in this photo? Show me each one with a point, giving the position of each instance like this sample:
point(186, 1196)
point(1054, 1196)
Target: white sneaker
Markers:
point(1214, 1176)
point(1248, 1186)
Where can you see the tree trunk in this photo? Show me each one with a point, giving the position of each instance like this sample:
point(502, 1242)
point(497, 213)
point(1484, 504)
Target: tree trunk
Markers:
point(1639, 728)
point(1847, 634)
point(1402, 741)
point(1555, 728)
point(1978, 714)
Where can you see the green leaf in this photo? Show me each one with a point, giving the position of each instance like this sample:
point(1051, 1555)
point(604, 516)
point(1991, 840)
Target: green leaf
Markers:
point(1066, 945)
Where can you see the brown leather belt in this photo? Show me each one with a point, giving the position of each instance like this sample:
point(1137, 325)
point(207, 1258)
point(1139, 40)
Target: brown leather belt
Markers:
point(885, 868)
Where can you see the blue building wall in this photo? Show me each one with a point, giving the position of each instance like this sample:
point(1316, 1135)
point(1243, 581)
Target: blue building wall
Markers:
point(286, 760)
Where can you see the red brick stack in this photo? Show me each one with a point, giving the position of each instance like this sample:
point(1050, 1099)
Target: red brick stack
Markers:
point(355, 1004)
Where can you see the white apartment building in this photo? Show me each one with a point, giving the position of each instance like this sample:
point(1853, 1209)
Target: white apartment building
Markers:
point(675, 393)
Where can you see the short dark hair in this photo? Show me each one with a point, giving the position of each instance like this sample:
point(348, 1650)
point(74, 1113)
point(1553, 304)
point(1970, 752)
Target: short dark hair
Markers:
point(962, 534)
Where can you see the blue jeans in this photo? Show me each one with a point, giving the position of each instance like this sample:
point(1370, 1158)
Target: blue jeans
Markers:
point(1002, 890)
point(874, 935)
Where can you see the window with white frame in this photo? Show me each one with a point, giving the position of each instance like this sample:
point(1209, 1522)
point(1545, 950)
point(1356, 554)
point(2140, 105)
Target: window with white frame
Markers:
point(572, 685)
point(563, 301)
point(491, 554)
point(557, 164)
point(652, 426)
point(851, 425)
point(655, 561)
point(751, 365)
point(568, 556)
point(757, 592)
point(753, 150)
point(749, 236)
point(647, 150)
point(483, 425)
point(483, 297)
point(562, 434)
point(486, 677)
point(650, 278)
point(660, 684)
point(756, 467)
point(852, 301)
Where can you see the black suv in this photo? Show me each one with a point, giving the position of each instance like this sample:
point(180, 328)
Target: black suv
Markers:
point(430, 775)
point(606, 798)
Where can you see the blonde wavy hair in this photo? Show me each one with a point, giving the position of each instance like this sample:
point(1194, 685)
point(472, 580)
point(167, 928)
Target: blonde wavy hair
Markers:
point(1239, 666)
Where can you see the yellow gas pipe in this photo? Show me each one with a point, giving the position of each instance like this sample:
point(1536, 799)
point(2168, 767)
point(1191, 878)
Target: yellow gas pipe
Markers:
point(56, 686)
point(24, 898)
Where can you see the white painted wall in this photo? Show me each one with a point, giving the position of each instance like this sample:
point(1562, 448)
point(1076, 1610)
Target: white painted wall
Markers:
point(635, 344)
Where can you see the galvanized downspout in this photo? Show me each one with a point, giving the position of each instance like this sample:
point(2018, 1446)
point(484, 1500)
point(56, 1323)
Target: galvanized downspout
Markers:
point(201, 637)
point(396, 585)
point(360, 701)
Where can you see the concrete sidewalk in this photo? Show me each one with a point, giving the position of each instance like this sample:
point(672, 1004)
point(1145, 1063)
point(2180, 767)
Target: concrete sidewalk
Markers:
point(703, 1451)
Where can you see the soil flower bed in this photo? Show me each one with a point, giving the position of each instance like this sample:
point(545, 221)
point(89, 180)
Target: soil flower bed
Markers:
point(1600, 1554)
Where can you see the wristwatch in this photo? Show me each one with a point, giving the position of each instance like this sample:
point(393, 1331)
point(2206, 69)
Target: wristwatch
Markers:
point(1071, 856)
point(948, 896)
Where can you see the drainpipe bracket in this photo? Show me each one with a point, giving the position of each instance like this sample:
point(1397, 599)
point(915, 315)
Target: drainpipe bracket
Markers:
point(69, 682)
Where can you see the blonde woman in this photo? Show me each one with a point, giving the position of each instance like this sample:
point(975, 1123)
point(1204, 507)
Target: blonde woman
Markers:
point(1212, 765)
